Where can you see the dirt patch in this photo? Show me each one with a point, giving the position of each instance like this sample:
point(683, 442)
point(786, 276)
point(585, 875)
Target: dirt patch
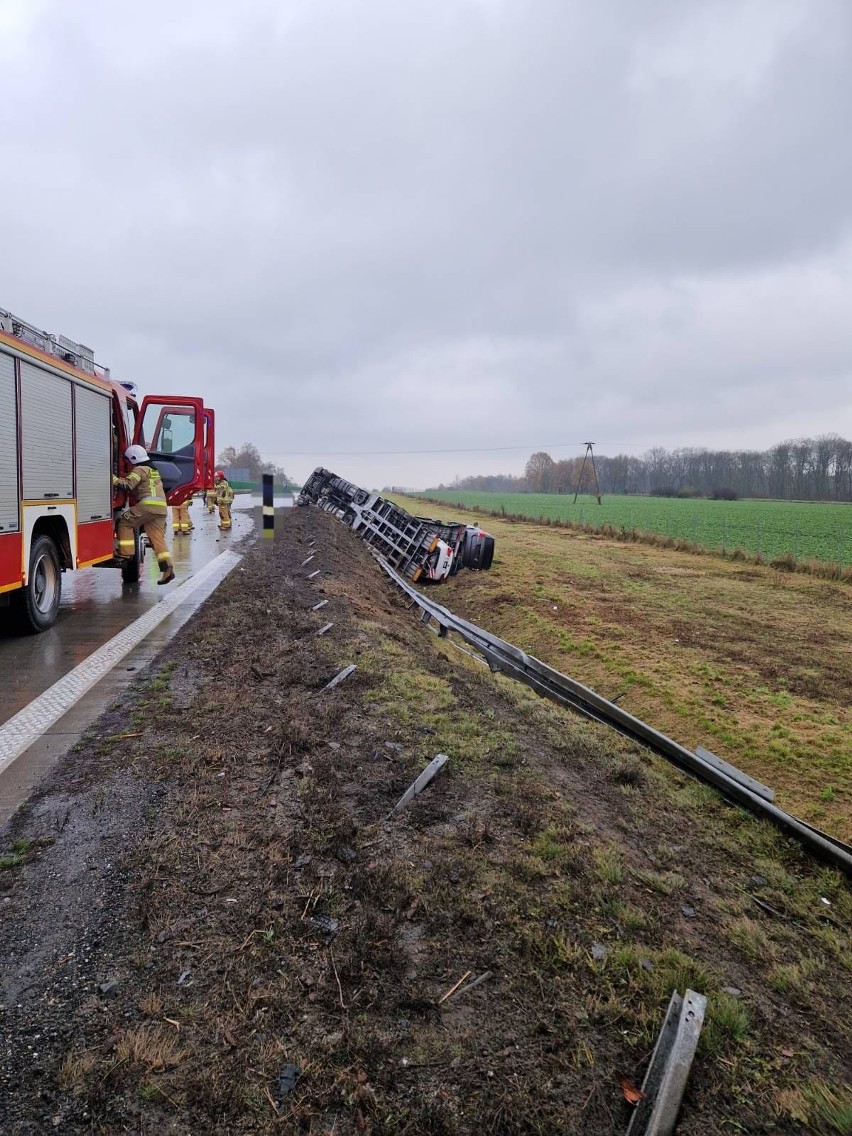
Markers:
point(219, 925)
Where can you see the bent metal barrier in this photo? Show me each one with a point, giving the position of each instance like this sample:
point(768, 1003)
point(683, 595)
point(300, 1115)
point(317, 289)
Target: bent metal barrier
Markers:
point(734, 785)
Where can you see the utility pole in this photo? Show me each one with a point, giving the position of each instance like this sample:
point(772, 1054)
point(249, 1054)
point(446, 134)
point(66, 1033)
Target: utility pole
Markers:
point(589, 454)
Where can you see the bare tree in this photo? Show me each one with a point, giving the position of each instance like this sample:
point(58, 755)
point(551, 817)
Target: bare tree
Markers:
point(248, 457)
point(539, 473)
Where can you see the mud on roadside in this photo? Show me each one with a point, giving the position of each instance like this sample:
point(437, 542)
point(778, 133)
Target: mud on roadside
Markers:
point(211, 923)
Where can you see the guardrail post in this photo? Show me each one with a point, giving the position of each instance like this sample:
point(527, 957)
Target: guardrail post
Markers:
point(665, 1080)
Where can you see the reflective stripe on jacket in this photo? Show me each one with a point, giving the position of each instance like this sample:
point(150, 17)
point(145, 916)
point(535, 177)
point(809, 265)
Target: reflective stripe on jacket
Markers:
point(145, 487)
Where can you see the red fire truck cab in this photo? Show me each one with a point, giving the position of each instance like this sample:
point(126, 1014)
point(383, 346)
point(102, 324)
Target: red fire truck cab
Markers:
point(64, 427)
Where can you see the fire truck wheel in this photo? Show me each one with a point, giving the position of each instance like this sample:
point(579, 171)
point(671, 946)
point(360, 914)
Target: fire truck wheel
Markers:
point(40, 598)
point(130, 568)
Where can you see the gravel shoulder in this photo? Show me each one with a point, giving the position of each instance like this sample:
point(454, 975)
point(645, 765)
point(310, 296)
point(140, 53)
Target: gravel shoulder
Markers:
point(212, 922)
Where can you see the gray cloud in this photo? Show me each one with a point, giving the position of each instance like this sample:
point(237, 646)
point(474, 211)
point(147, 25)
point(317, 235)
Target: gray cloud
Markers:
point(444, 225)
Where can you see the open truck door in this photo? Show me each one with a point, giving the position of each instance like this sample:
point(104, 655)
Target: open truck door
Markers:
point(177, 432)
point(209, 449)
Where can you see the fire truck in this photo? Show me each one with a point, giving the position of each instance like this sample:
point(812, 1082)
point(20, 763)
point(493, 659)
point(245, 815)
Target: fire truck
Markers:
point(418, 547)
point(64, 427)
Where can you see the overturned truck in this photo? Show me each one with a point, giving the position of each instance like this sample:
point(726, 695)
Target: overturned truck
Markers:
point(417, 547)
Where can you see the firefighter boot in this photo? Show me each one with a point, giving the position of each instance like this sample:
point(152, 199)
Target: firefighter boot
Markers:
point(168, 571)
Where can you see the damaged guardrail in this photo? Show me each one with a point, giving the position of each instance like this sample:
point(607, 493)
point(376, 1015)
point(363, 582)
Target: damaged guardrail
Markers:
point(668, 1071)
point(732, 783)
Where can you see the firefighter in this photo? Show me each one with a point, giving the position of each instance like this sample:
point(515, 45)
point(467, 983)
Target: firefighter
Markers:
point(147, 511)
point(210, 499)
point(181, 520)
point(224, 497)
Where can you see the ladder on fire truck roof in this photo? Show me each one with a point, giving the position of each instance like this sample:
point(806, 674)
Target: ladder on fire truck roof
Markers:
point(77, 354)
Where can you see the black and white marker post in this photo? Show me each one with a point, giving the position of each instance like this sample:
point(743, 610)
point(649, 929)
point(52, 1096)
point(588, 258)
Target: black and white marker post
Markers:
point(268, 508)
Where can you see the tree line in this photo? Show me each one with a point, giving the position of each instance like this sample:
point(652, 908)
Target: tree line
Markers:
point(805, 469)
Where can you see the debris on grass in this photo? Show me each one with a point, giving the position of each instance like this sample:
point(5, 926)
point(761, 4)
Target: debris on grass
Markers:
point(426, 777)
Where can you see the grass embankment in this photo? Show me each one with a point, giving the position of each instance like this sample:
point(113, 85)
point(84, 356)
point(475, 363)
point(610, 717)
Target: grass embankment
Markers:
point(814, 537)
point(748, 661)
point(284, 952)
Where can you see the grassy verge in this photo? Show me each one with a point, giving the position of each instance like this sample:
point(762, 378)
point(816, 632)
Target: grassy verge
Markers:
point(748, 661)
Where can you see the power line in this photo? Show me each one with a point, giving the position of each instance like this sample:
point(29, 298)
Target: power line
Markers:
point(466, 450)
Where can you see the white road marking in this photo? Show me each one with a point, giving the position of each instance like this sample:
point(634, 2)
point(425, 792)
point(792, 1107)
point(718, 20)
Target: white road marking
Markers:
point(21, 730)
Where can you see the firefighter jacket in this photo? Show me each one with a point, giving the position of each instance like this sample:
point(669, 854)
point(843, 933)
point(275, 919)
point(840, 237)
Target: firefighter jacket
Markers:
point(224, 493)
point(145, 487)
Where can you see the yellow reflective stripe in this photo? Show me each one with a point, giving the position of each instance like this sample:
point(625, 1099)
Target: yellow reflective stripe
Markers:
point(151, 501)
point(132, 479)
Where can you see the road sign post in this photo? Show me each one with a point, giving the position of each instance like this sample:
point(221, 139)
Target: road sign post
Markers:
point(268, 508)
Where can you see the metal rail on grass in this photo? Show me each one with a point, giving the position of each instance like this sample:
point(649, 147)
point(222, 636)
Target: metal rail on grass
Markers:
point(668, 1071)
point(510, 660)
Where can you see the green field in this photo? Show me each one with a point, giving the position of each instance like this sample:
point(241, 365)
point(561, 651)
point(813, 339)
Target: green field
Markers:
point(772, 529)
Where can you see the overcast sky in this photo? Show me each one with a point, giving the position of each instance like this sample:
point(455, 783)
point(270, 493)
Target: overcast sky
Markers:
point(360, 226)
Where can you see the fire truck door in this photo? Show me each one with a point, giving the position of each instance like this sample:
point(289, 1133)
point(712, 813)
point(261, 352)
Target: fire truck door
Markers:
point(173, 431)
point(209, 448)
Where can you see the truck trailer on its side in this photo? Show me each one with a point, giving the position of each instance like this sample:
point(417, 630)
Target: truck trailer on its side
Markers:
point(417, 547)
point(64, 427)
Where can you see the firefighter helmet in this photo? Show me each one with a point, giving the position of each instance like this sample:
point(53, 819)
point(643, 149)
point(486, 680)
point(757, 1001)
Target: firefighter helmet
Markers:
point(218, 475)
point(136, 455)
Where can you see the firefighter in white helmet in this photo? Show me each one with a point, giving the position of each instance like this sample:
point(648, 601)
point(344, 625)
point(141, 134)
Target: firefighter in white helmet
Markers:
point(147, 510)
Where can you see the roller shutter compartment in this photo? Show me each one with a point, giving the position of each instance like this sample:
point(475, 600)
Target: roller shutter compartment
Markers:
point(94, 456)
point(46, 434)
point(8, 446)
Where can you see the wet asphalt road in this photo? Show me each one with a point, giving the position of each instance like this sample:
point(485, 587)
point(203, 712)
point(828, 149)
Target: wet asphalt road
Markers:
point(95, 607)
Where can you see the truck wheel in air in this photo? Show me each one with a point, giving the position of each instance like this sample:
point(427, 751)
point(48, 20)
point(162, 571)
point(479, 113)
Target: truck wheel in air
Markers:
point(130, 569)
point(39, 600)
